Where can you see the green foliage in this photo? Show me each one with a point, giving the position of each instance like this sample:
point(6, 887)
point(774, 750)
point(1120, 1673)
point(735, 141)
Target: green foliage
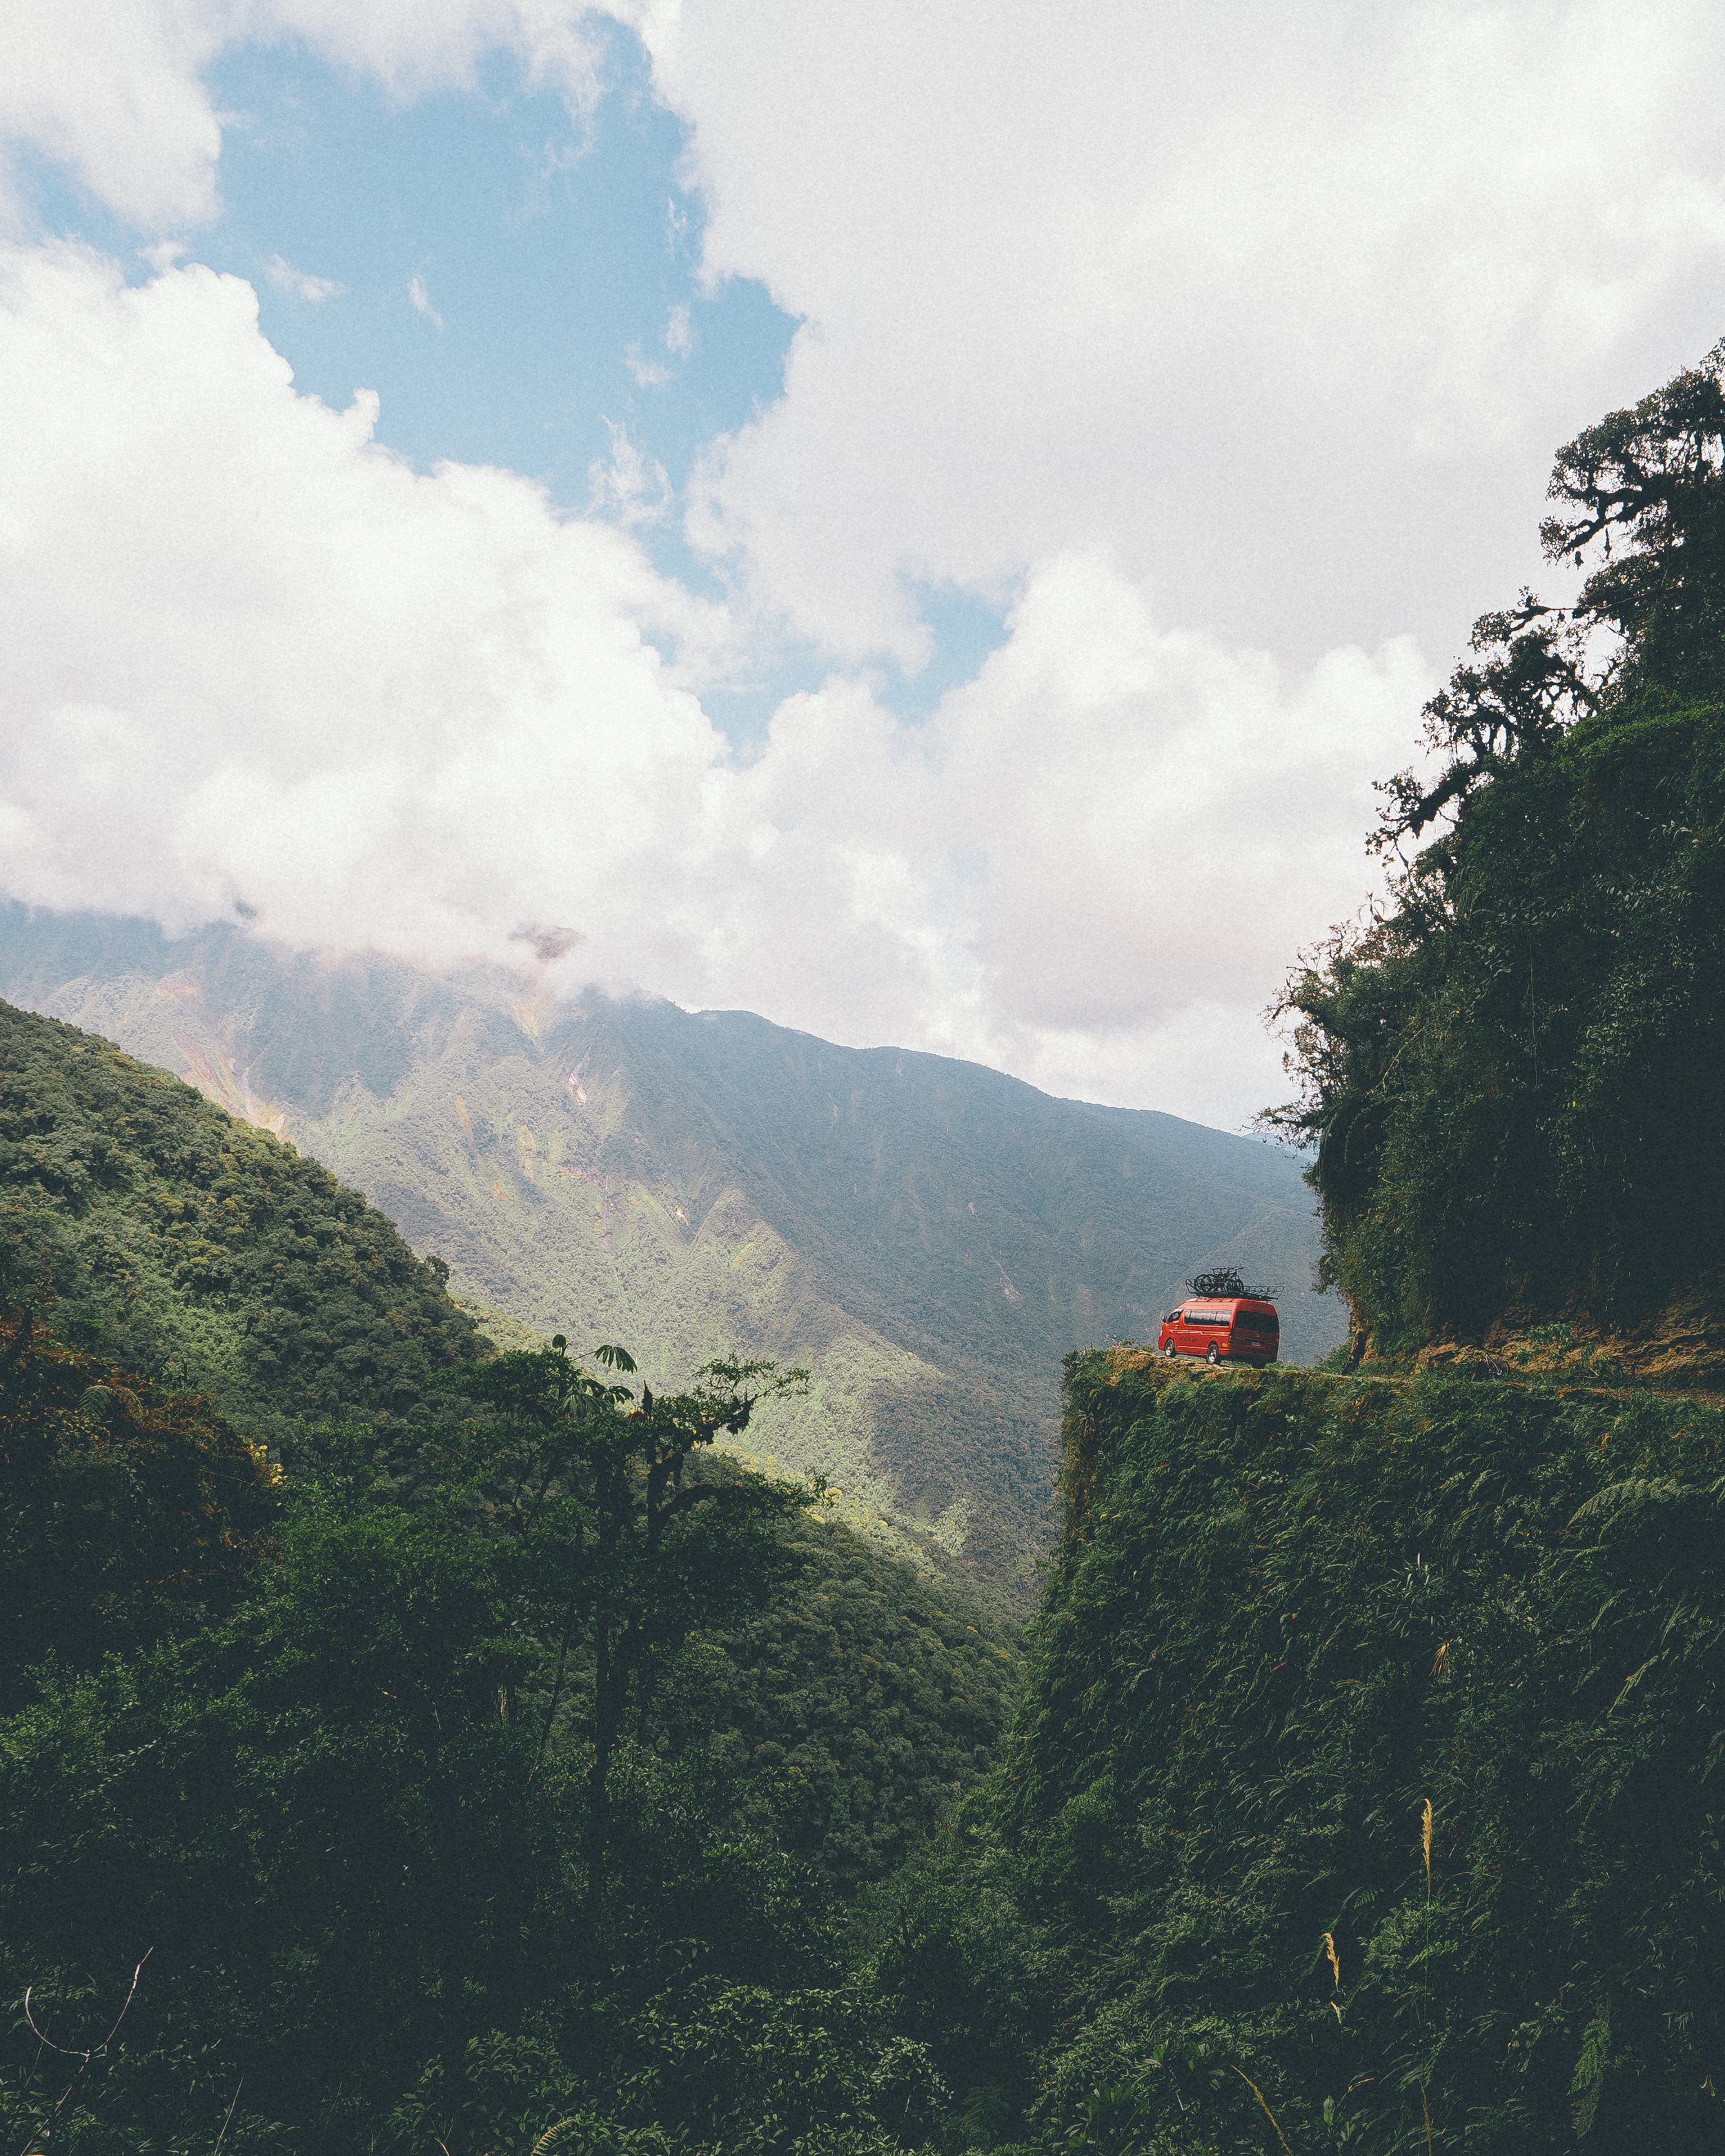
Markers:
point(153, 1229)
point(972, 1972)
point(845, 1721)
point(130, 1513)
point(706, 2065)
point(735, 2067)
point(329, 1785)
point(1507, 1074)
point(314, 1815)
point(1289, 1612)
point(616, 1525)
point(1503, 1068)
point(928, 1236)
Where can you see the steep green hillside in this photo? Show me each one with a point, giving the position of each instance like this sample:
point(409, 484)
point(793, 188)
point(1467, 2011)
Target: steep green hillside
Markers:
point(849, 1719)
point(309, 1747)
point(153, 1227)
point(1365, 1780)
point(929, 1235)
point(127, 1512)
point(1516, 1079)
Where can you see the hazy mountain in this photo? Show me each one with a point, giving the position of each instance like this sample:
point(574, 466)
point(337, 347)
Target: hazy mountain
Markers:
point(928, 1235)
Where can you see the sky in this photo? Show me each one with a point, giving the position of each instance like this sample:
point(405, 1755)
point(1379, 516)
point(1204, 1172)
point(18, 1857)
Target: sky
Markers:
point(925, 523)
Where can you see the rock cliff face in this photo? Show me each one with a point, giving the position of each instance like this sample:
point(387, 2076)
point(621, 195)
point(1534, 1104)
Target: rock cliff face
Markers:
point(929, 1236)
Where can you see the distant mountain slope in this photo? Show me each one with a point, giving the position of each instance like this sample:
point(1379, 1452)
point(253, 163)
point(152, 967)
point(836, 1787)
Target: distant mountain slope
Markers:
point(929, 1235)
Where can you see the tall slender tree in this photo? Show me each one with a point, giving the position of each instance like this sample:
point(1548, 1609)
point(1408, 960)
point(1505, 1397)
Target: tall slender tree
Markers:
point(631, 1528)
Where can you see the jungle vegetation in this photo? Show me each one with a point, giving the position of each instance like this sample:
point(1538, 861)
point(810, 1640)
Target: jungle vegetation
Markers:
point(1362, 1791)
point(544, 1773)
point(453, 1739)
point(439, 1748)
point(1514, 1072)
point(156, 1231)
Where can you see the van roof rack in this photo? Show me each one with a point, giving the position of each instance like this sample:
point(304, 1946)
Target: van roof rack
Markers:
point(1227, 1283)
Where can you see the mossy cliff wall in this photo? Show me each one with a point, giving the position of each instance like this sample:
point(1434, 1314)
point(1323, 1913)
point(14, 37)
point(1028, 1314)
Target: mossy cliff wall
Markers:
point(1289, 1612)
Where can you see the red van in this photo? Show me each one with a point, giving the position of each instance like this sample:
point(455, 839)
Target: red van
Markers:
point(1223, 1320)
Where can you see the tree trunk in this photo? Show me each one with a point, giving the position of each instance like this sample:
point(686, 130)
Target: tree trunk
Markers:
point(608, 1715)
point(557, 1691)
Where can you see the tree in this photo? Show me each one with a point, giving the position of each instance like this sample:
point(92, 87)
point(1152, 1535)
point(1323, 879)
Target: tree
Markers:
point(1651, 478)
point(1488, 1063)
point(130, 1513)
point(627, 1520)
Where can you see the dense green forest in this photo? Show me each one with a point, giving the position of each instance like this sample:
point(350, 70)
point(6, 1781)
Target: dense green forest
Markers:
point(1361, 1794)
point(407, 1745)
point(296, 1736)
point(1515, 1073)
point(158, 1231)
point(1359, 1787)
point(305, 1669)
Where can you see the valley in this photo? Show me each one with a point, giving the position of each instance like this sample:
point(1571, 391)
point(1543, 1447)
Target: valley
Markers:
point(927, 1236)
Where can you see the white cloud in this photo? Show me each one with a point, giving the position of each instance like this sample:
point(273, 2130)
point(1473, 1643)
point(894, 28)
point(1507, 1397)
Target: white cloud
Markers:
point(1091, 866)
point(679, 342)
point(1275, 303)
point(369, 703)
point(420, 299)
point(113, 90)
point(110, 90)
point(255, 661)
point(648, 373)
point(1269, 302)
point(1229, 346)
point(634, 489)
point(298, 283)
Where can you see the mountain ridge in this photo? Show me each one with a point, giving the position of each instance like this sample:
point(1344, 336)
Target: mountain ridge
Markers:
point(930, 1236)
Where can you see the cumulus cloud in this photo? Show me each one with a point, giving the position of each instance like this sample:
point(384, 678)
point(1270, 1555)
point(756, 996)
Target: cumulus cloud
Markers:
point(259, 666)
point(1271, 303)
point(110, 90)
point(1287, 306)
point(113, 90)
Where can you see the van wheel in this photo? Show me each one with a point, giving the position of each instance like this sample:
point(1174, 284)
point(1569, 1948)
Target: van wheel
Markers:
point(1213, 1355)
point(1171, 1351)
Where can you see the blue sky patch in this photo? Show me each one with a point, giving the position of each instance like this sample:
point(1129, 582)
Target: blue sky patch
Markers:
point(519, 287)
